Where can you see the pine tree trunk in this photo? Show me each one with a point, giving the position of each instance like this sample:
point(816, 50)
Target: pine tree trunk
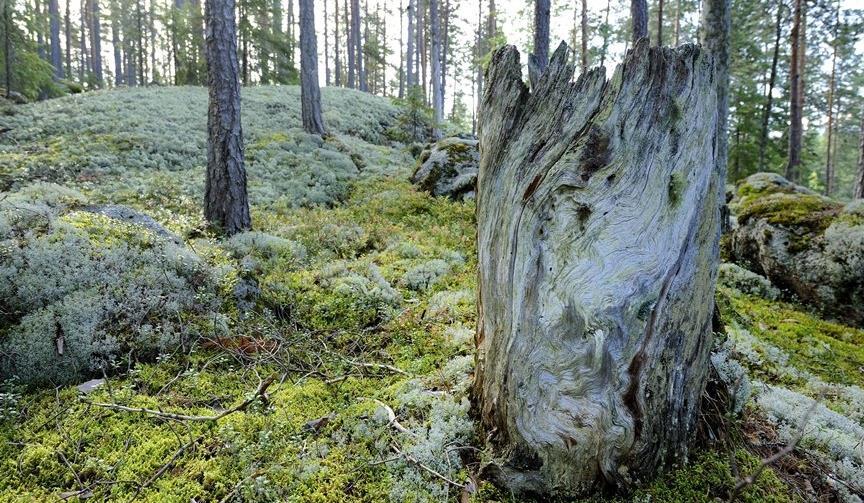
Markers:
point(7, 47)
point(67, 19)
point(769, 92)
point(326, 47)
point(337, 46)
point(677, 22)
point(358, 45)
point(437, 97)
point(584, 36)
point(409, 53)
point(859, 179)
point(96, 42)
point(352, 70)
point(795, 126)
point(606, 29)
point(310, 94)
point(538, 60)
point(278, 36)
point(421, 48)
point(115, 42)
point(56, 50)
point(832, 83)
point(639, 19)
point(445, 50)
point(598, 228)
point(716, 21)
point(139, 42)
point(83, 70)
point(225, 202)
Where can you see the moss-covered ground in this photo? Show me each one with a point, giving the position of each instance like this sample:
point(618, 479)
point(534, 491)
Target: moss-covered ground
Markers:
point(363, 303)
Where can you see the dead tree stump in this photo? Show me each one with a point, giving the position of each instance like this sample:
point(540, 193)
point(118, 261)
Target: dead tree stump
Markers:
point(598, 213)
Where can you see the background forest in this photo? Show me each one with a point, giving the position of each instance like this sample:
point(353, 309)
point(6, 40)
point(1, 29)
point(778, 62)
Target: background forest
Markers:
point(686, 323)
point(51, 48)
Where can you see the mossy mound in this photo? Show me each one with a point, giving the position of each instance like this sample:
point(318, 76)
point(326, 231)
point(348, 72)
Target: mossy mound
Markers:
point(810, 246)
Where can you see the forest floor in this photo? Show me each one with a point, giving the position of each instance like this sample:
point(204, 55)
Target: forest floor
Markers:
point(327, 356)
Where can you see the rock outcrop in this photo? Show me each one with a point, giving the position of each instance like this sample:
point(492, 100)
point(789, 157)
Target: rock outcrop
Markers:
point(449, 168)
point(808, 245)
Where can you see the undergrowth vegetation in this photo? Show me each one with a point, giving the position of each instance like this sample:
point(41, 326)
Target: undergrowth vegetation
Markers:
point(354, 293)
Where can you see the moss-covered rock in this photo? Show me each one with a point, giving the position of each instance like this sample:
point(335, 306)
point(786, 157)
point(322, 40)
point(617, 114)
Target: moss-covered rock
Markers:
point(449, 168)
point(810, 246)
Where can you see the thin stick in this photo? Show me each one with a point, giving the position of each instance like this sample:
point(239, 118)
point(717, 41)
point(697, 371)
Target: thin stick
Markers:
point(417, 463)
point(165, 467)
point(262, 389)
point(391, 416)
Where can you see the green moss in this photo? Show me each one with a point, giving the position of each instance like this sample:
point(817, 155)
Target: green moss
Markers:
point(831, 351)
point(812, 212)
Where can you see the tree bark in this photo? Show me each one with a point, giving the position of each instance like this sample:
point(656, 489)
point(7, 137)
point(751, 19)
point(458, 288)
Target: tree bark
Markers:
point(639, 19)
point(358, 45)
point(769, 92)
point(832, 84)
point(310, 94)
point(660, 23)
point(326, 47)
point(337, 46)
point(598, 229)
point(83, 70)
point(859, 181)
point(409, 52)
point(422, 59)
point(67, 18)
point(96, 42)
point(538, 61)
point(795, 126)
point(225, 201)
point(716, 21)
point(349, 29)
point(606, 29)
point(584, 36)
point(437, 96)
point(56, 50)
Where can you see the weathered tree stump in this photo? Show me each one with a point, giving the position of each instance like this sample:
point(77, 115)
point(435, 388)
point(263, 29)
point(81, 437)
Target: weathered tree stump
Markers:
point(598, 213)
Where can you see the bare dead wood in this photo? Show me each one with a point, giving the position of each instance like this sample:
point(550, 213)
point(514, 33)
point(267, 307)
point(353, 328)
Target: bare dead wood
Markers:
point(598, 228)
point(260, 392)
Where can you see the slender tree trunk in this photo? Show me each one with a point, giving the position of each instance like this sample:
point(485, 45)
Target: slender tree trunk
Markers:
point(225, 201)
point(245, 42)
point(716, 21)
point(82, 70)
point(769, 92)
point(639, 19)
point(409, 53)
point(96, 42)
point(421, 47)
point(326, 47)
point(67, 19)
point(364, 53)
point(540, 58)
point(115, 42)
point(445, 50)
point(352, 70)
point(859, 181)
point(832, 84)
point(56, 50)
point(402, 54)
point(279, 36)
point(38, 21)
point(660, 23)
point(151, 27)
point(589, 375)
point(358, 45)
point(677, 23)
point(310, 94)
point(337, 46)
point(795, 127)
point(479, 47)
point(606, 29)
point(139, 38)
point(437, 96)
point(7, 47)
point(584, 36)
point(291, 33)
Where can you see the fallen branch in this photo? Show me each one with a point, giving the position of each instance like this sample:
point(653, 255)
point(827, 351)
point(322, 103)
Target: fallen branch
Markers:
point(391, 416)
point(260, 392)
point(165, 467)
point(749, 480)
point(414, 461)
